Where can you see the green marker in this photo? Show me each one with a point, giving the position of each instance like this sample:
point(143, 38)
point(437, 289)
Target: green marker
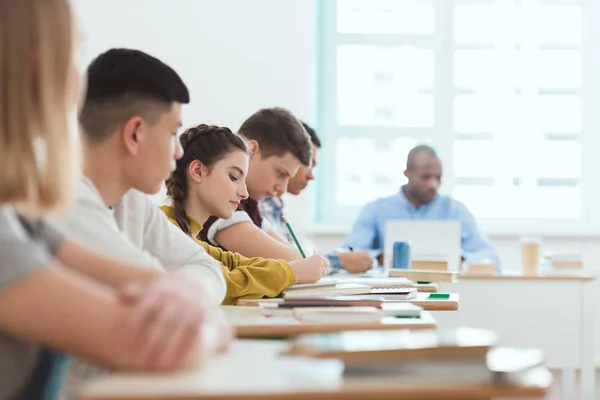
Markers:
point(439, 296)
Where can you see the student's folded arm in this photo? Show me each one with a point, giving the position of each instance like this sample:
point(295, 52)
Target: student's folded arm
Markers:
point(247, 239)
point(63, 310)
point(103, 269)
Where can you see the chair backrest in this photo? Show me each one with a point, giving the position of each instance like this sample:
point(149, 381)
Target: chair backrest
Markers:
point(47, 378)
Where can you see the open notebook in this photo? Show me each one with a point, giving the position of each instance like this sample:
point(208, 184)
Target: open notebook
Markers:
point(321, 289)
point(360, 300)
point(317, 289)
point(356, 314)
point(382, 282)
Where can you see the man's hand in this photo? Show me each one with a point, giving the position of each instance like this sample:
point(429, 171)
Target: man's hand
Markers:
point(170, 314)
point(356, 262)
point(311, 269)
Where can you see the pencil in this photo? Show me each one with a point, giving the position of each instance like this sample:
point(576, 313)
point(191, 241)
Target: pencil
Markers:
point(293, 235)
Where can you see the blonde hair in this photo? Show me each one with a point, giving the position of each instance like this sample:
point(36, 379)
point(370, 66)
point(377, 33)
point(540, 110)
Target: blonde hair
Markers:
point(38, 152)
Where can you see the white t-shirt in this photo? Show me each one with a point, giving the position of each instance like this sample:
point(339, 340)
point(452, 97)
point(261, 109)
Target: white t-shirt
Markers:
point(135, 230)
point(237, 217)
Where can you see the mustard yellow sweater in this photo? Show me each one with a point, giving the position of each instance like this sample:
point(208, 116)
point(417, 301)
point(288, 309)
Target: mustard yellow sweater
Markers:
point(247, 278)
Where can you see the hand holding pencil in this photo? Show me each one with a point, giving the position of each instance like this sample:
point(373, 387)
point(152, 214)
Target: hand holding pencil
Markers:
point(311, 269)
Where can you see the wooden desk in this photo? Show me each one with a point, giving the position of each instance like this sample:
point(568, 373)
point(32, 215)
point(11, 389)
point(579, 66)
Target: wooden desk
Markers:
point(428, 287)
point(553, 312)
point(254, 370)
point(249, 322)
point(563, 275)
point(422, 300)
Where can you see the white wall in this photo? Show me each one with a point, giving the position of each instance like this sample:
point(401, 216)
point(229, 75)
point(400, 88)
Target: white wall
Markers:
point(237, 56)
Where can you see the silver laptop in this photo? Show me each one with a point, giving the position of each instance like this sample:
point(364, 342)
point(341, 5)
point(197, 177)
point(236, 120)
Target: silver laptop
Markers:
point(429, 240)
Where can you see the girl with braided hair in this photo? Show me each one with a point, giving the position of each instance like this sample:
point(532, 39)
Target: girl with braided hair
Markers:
point(210, 181)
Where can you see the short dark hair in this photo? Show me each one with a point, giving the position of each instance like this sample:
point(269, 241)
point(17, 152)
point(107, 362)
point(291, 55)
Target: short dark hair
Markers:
point(314, 138)
point(422, 148)
point(277, 132)
point(123, 83)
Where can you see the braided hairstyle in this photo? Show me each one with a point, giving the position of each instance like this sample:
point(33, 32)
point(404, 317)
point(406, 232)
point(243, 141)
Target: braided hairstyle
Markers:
point(208, 144)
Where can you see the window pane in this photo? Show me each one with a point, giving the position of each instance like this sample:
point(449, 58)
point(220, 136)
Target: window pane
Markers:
point(475, 23)
point(541, 180)
point(405, 111)
point(529, 23)
point(559, 69)
point(537, 202)
point(516, 111)
point(385, 16)
point(517, 68)
point(403, 66)
point(514, 115)
point(558, 113)
point(559, 24)
point(475, 113)
point(557, 159)
point(475, 158)
point(474, 68)
point(381, 86)
point(357, 185)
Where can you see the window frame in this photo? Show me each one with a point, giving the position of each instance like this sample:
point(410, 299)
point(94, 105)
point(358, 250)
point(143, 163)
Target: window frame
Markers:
point(330, 217)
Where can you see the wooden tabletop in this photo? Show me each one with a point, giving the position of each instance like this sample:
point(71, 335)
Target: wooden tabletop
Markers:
point(566, 275)
point(421, 299)
point(426, 287)
point(425, 275)
point(249, 322)
point(254, 370)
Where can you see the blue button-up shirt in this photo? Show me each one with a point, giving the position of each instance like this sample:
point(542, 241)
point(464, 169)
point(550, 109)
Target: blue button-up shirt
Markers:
point(369, 230)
